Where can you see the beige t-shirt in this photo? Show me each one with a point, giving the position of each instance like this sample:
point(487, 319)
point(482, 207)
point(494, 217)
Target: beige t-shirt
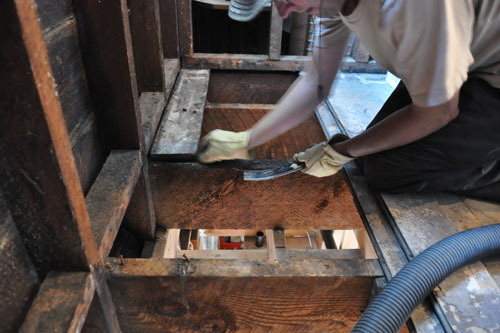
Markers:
point(432, 45)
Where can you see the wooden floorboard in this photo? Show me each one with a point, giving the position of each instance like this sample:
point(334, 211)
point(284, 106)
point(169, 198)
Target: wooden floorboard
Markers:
point(193, 196)
point(470, 297)
point(179, 131)
point(151, 105)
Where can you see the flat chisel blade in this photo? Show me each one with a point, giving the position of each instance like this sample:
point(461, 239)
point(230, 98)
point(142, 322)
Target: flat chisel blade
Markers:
point(257, 175)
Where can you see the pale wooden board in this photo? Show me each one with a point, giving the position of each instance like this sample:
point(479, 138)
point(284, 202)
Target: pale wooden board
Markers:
point(469, 297)
point(180, 127)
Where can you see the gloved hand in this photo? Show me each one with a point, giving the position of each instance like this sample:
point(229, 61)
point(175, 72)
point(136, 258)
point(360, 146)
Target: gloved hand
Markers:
point(221, 145)
point(322, 160)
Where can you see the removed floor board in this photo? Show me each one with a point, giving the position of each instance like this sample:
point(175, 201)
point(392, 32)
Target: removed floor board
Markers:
point(179, 131)
point(193, 196)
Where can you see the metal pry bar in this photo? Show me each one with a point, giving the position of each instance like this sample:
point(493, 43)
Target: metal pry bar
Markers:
point(257, 175)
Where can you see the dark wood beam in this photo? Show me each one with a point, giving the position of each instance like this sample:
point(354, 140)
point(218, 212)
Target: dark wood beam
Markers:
point(185, 26)
point(244, 62)
point(234, 295)
point(61, 304)
point(146, 40)
point(38, 171)
point(19, 279)
point(169, 30)
point(110, 195)
point(106, 45)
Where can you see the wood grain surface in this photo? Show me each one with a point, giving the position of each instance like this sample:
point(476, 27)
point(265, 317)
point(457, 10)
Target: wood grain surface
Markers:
point(191, 196)
point(240, 117)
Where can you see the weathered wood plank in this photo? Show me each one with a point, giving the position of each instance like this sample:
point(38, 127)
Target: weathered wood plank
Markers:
point(228, 61)
point(140, 217)
point(248, 87)
point(61, 304)
point(19, 278)
point(172, 68)
point(106, 46)
point(71, 84)
point(240, 295)
point(144, 19)
point(275, 33)
point(219, 198)
point(53, 12)
point(65, 59)
point(180, 128)
point(152, 105)
point(423, 220)
point(107, 315)
point(185, 27)
point(110, 195)
point(87, 151)
point(240, 117)
point(38, 172)
point(169, 33)
point(282, 254)
point(297, 266)
point(225, 304)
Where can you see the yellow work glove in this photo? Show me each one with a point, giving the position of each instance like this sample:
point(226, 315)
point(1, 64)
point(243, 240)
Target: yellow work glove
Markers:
point(322, 160)
point(221, 145)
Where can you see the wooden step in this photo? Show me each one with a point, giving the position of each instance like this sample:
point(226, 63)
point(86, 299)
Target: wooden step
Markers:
point(180, 127)
point(109, 196)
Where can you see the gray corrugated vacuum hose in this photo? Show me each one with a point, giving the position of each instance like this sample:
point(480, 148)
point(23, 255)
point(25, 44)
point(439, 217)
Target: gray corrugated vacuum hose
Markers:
point(393, 306)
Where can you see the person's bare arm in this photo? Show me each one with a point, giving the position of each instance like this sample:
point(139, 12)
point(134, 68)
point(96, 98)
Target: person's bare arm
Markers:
point(301, 99)
point(402, 127)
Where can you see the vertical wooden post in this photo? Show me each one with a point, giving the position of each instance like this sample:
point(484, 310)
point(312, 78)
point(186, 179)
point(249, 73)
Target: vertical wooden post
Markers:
point(184, 15)
point(275, 33)
point(38, 173)
point(109, 60)
point(271, 247)
point(169, 33)
point(146, 40)
point(298, 34)
point(172, 243)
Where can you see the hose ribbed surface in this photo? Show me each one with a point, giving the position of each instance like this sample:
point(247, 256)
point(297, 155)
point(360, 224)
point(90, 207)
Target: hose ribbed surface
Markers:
point(393, 306)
